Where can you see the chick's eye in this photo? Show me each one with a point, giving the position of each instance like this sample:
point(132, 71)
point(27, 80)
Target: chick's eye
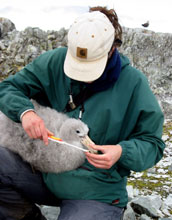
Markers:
point(77, 131)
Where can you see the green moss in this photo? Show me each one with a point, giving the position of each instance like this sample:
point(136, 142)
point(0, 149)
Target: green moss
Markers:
point(167, 128)
point(146, 185)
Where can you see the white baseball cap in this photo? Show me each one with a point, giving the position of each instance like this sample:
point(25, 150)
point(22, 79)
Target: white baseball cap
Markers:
point(90, 39)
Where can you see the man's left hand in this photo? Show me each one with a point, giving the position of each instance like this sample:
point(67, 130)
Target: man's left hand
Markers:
point(110, 155)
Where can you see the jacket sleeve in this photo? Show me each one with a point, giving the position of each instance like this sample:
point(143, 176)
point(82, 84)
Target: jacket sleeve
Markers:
point(144, 146)
point(16, 91)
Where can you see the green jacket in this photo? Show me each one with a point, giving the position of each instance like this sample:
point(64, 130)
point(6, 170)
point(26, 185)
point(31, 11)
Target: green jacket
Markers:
point(127, 114)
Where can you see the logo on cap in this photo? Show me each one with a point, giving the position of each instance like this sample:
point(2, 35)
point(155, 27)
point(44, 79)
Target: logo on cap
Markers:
point(81, 52)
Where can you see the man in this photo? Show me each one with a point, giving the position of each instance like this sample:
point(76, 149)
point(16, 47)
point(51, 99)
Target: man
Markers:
point(92, 81)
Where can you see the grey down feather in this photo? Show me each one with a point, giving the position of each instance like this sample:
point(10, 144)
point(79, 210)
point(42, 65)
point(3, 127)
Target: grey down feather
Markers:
point(55, 157)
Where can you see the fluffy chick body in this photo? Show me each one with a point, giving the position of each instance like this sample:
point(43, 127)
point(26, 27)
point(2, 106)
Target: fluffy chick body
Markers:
point(55, 157)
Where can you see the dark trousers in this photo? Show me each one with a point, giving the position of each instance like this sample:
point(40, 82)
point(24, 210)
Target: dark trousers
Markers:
point(89, 210)
point(20, 187)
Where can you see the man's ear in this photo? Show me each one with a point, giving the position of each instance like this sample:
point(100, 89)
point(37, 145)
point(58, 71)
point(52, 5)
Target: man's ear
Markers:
point(111, 52)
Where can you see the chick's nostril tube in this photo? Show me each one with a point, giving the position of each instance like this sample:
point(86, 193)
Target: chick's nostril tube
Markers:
point(86, 141)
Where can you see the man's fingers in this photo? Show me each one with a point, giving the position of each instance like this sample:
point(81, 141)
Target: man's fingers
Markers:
point(49, 132)
point(101, 162)
point(29, 133)
point(98, 165)
point(35, 127)
point(101, 148)
point(44, 134)
point(99, 157)
point(38, 132)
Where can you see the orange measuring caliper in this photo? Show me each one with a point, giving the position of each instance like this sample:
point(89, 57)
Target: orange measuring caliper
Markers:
point(59, 140)
point(55, 138)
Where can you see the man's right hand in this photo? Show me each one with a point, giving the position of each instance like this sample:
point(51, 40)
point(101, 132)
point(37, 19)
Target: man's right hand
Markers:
point(35, 127)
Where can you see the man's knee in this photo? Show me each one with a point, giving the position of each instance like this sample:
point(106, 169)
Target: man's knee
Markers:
point(11, 162)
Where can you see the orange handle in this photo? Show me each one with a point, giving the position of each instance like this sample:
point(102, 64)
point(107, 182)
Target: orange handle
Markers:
point(55, 138)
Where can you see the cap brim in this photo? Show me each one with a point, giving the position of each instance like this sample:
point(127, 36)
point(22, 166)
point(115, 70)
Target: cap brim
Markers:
point(84, 71)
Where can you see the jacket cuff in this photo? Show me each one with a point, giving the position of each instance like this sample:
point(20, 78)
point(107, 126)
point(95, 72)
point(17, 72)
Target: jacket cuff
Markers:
point(23, 111)
point(123, 157)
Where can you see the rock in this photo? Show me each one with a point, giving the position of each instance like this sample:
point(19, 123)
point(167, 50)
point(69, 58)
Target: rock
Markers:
point(2, 46)
point(142, 205)
point(168, 201)
point(170, 168)
point(140, 46)
point(144, 217)
point(165, 219)
point(51, 213)
point(130, 191)
point(20, 48)
point(129, 214)
point(155, 201)
point(5, 26)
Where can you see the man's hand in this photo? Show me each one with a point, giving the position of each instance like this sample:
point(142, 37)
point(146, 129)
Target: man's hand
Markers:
point(34, 126)
point(111, 154)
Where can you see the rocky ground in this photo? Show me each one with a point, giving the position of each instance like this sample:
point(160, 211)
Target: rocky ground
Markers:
point(150, 192)
point(154, 186)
